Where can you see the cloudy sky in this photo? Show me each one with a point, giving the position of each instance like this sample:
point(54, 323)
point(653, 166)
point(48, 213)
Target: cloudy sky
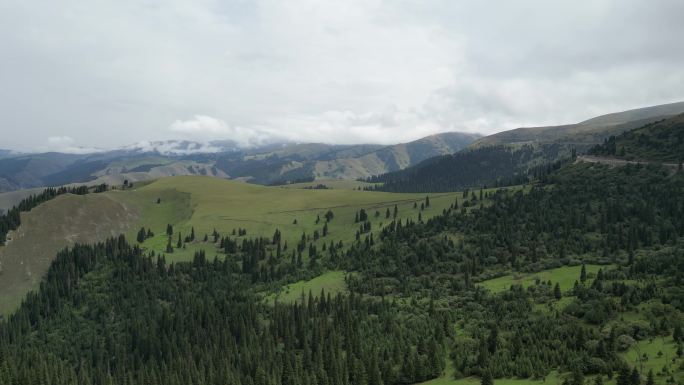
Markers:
point(110, 73)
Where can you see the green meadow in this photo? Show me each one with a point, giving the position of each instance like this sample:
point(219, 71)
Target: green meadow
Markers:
point(331, 282)
point(207, 204)
point(565, 276)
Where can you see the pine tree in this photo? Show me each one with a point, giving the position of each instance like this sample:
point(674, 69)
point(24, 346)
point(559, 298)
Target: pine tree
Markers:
point(557, 291)
point(624, 376)
point(583, 274)
point(677, 334)
point(577, 377)
point(635, 377)
point(650, 380)
point(141, 235)
point(487, 378)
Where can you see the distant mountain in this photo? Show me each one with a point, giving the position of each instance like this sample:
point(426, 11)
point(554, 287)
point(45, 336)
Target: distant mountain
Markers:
point(276, 163)
point(6, 153)
point(586, 133)
point(662, 141)
point(303, 162)
point(511, 156)
point(485, 166)
point(27, 171)
point(393, 158)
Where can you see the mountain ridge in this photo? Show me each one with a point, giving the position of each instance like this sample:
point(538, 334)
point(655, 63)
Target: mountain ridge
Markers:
point(585, 133)
point(271, 164)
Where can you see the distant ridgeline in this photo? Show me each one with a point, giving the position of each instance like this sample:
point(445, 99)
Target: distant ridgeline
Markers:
point(492, 166)
point(12, 219)
point(662, 141)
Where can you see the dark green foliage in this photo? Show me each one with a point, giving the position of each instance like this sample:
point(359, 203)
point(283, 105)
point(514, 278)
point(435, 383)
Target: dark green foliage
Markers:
point(487, 379)
point(139, 320)
point(660, 141)
point(486, 166)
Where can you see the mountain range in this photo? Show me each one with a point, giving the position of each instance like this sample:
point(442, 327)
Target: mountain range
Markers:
point(283, 163)
point(271, 164)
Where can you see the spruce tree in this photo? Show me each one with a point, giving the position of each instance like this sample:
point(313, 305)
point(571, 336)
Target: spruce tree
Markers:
point(650, 380)
point(635, 377)
point(487, 378)
point(557, 291)
point(677, 334)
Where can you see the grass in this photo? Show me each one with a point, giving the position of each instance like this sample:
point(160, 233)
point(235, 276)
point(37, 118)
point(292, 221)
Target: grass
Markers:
point(447, 378)
point(664, 345)
point(337, 184)
point(185, 202)
point(565, 276)
point(211, 203)
point(47, 229)
point(331, 282)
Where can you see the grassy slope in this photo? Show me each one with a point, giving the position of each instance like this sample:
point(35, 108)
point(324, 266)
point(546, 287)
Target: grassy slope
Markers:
point(48, 228)
point(565, 276)
point(587, 132)
point(209, 203)
point(335, 184)
point(186, 201)
point(666, 346)
point(331, 282)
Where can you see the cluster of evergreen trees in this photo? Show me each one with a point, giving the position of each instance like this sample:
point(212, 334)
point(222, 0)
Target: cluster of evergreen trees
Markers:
point(487, 166)
point(658, 141)
point(140, 320)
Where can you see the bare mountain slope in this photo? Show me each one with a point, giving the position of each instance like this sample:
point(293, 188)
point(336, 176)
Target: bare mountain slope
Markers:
point(586, 133)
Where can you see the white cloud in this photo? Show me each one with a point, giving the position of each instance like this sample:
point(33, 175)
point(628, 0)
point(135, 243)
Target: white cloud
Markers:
point(326, 71)
point(66, 144)
point(202, 128)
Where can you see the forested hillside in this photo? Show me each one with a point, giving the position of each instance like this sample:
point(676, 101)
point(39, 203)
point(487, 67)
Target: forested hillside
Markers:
point(485, 166)
point(418, 298)
point(661, 141)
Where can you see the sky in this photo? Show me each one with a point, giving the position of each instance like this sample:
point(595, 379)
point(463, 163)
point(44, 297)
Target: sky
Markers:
point(76, 75)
